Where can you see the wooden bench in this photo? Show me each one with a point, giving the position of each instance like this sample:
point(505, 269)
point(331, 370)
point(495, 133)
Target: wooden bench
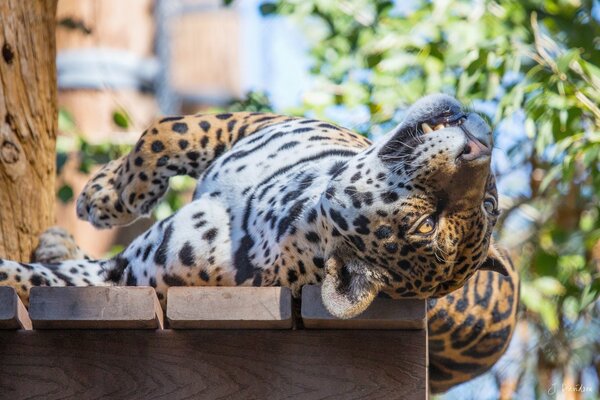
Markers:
point(244, 343)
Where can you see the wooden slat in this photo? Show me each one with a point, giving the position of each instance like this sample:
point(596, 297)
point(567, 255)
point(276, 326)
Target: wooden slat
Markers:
point(381, 314)
point(95, 308)
point(210, 364)
point(229, 308)
point(13, 314)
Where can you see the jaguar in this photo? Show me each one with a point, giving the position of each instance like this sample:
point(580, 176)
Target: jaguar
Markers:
point(288, 201)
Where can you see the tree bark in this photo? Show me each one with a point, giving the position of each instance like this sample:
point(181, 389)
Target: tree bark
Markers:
point(28, 123)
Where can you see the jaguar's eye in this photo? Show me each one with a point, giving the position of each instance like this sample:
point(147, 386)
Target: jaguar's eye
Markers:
point(426, 227)
point(489, 205)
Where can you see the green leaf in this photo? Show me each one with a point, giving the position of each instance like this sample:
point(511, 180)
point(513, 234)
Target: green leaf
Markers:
point(565, 59)
point(589, 295)
point(121, 119)
point(114, 250)
point(65, 193)
point(267, 8)
point(373, 59)
point(549, 315)
point(61, 160)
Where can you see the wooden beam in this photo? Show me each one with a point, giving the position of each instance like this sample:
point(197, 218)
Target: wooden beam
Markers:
point(206, 363)
point(95, 308)
point(13, 314)
point(210, 364)
point(229, 308)
point(381, 314)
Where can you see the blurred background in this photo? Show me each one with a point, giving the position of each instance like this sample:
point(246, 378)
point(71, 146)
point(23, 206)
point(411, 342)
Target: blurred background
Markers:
point(531, 66)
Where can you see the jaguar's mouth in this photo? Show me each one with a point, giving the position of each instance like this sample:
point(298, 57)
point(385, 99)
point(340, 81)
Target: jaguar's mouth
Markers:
point(473, 148)
point(442, 122)
point(438, 124)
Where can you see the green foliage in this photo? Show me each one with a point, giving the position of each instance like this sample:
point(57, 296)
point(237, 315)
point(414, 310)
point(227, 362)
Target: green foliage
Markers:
point(121, 119)
point(65, 193)
point(252, 102)
point(535, 57)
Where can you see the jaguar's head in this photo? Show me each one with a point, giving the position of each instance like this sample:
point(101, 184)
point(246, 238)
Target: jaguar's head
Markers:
point(412, 216)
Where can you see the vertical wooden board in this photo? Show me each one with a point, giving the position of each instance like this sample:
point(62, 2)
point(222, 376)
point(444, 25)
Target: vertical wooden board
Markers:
point(94, 30)
point(229, 308)
point(215, 35)
point(95, 308)
point(13, 314)
point(381, 314)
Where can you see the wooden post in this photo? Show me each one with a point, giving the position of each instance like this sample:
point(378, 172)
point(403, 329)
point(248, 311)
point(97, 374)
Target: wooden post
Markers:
point(28, 120)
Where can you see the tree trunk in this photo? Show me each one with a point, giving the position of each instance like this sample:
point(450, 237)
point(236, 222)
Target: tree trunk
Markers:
point(28, 123)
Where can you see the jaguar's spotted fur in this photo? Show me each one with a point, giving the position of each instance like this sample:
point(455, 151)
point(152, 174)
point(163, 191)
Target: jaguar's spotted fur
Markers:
point(292, 201)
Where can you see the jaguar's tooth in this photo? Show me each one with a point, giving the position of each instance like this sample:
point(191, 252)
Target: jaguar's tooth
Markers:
point(438, 127)
point(426, 128)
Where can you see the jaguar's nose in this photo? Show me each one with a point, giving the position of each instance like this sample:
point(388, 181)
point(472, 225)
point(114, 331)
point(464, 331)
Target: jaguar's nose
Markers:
point(478, 135)
point(474, 149)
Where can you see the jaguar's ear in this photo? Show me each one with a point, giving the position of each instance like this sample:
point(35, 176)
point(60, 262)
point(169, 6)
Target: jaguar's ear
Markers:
point(497, 261)
point(349, 287)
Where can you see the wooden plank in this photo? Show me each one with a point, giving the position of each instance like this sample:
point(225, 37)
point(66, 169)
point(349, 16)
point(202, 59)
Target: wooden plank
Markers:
point(381, 314)
point(13, 314)
point(210, 364)
point(95, 308)
point(229, 308)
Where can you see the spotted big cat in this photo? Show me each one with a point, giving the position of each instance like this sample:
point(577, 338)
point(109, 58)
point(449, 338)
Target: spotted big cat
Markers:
point(286, 201)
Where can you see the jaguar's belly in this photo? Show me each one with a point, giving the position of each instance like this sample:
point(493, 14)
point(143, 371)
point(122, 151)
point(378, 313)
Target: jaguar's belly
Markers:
point(270, 185)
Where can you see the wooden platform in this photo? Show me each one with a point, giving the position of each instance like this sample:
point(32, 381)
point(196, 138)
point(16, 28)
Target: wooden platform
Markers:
point(262, 358)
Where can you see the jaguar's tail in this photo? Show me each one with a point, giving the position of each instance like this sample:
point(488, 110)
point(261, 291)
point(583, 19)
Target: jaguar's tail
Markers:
point(58, 261)
point(23, 276)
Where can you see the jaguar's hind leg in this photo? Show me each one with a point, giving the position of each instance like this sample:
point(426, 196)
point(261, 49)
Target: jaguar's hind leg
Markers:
point(186, 145)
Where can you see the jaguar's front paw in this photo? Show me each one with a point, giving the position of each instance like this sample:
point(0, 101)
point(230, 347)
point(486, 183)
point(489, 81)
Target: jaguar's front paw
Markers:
point(100, 202)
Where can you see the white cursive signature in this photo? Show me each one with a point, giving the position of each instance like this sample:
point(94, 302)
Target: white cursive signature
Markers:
point(552, 390)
